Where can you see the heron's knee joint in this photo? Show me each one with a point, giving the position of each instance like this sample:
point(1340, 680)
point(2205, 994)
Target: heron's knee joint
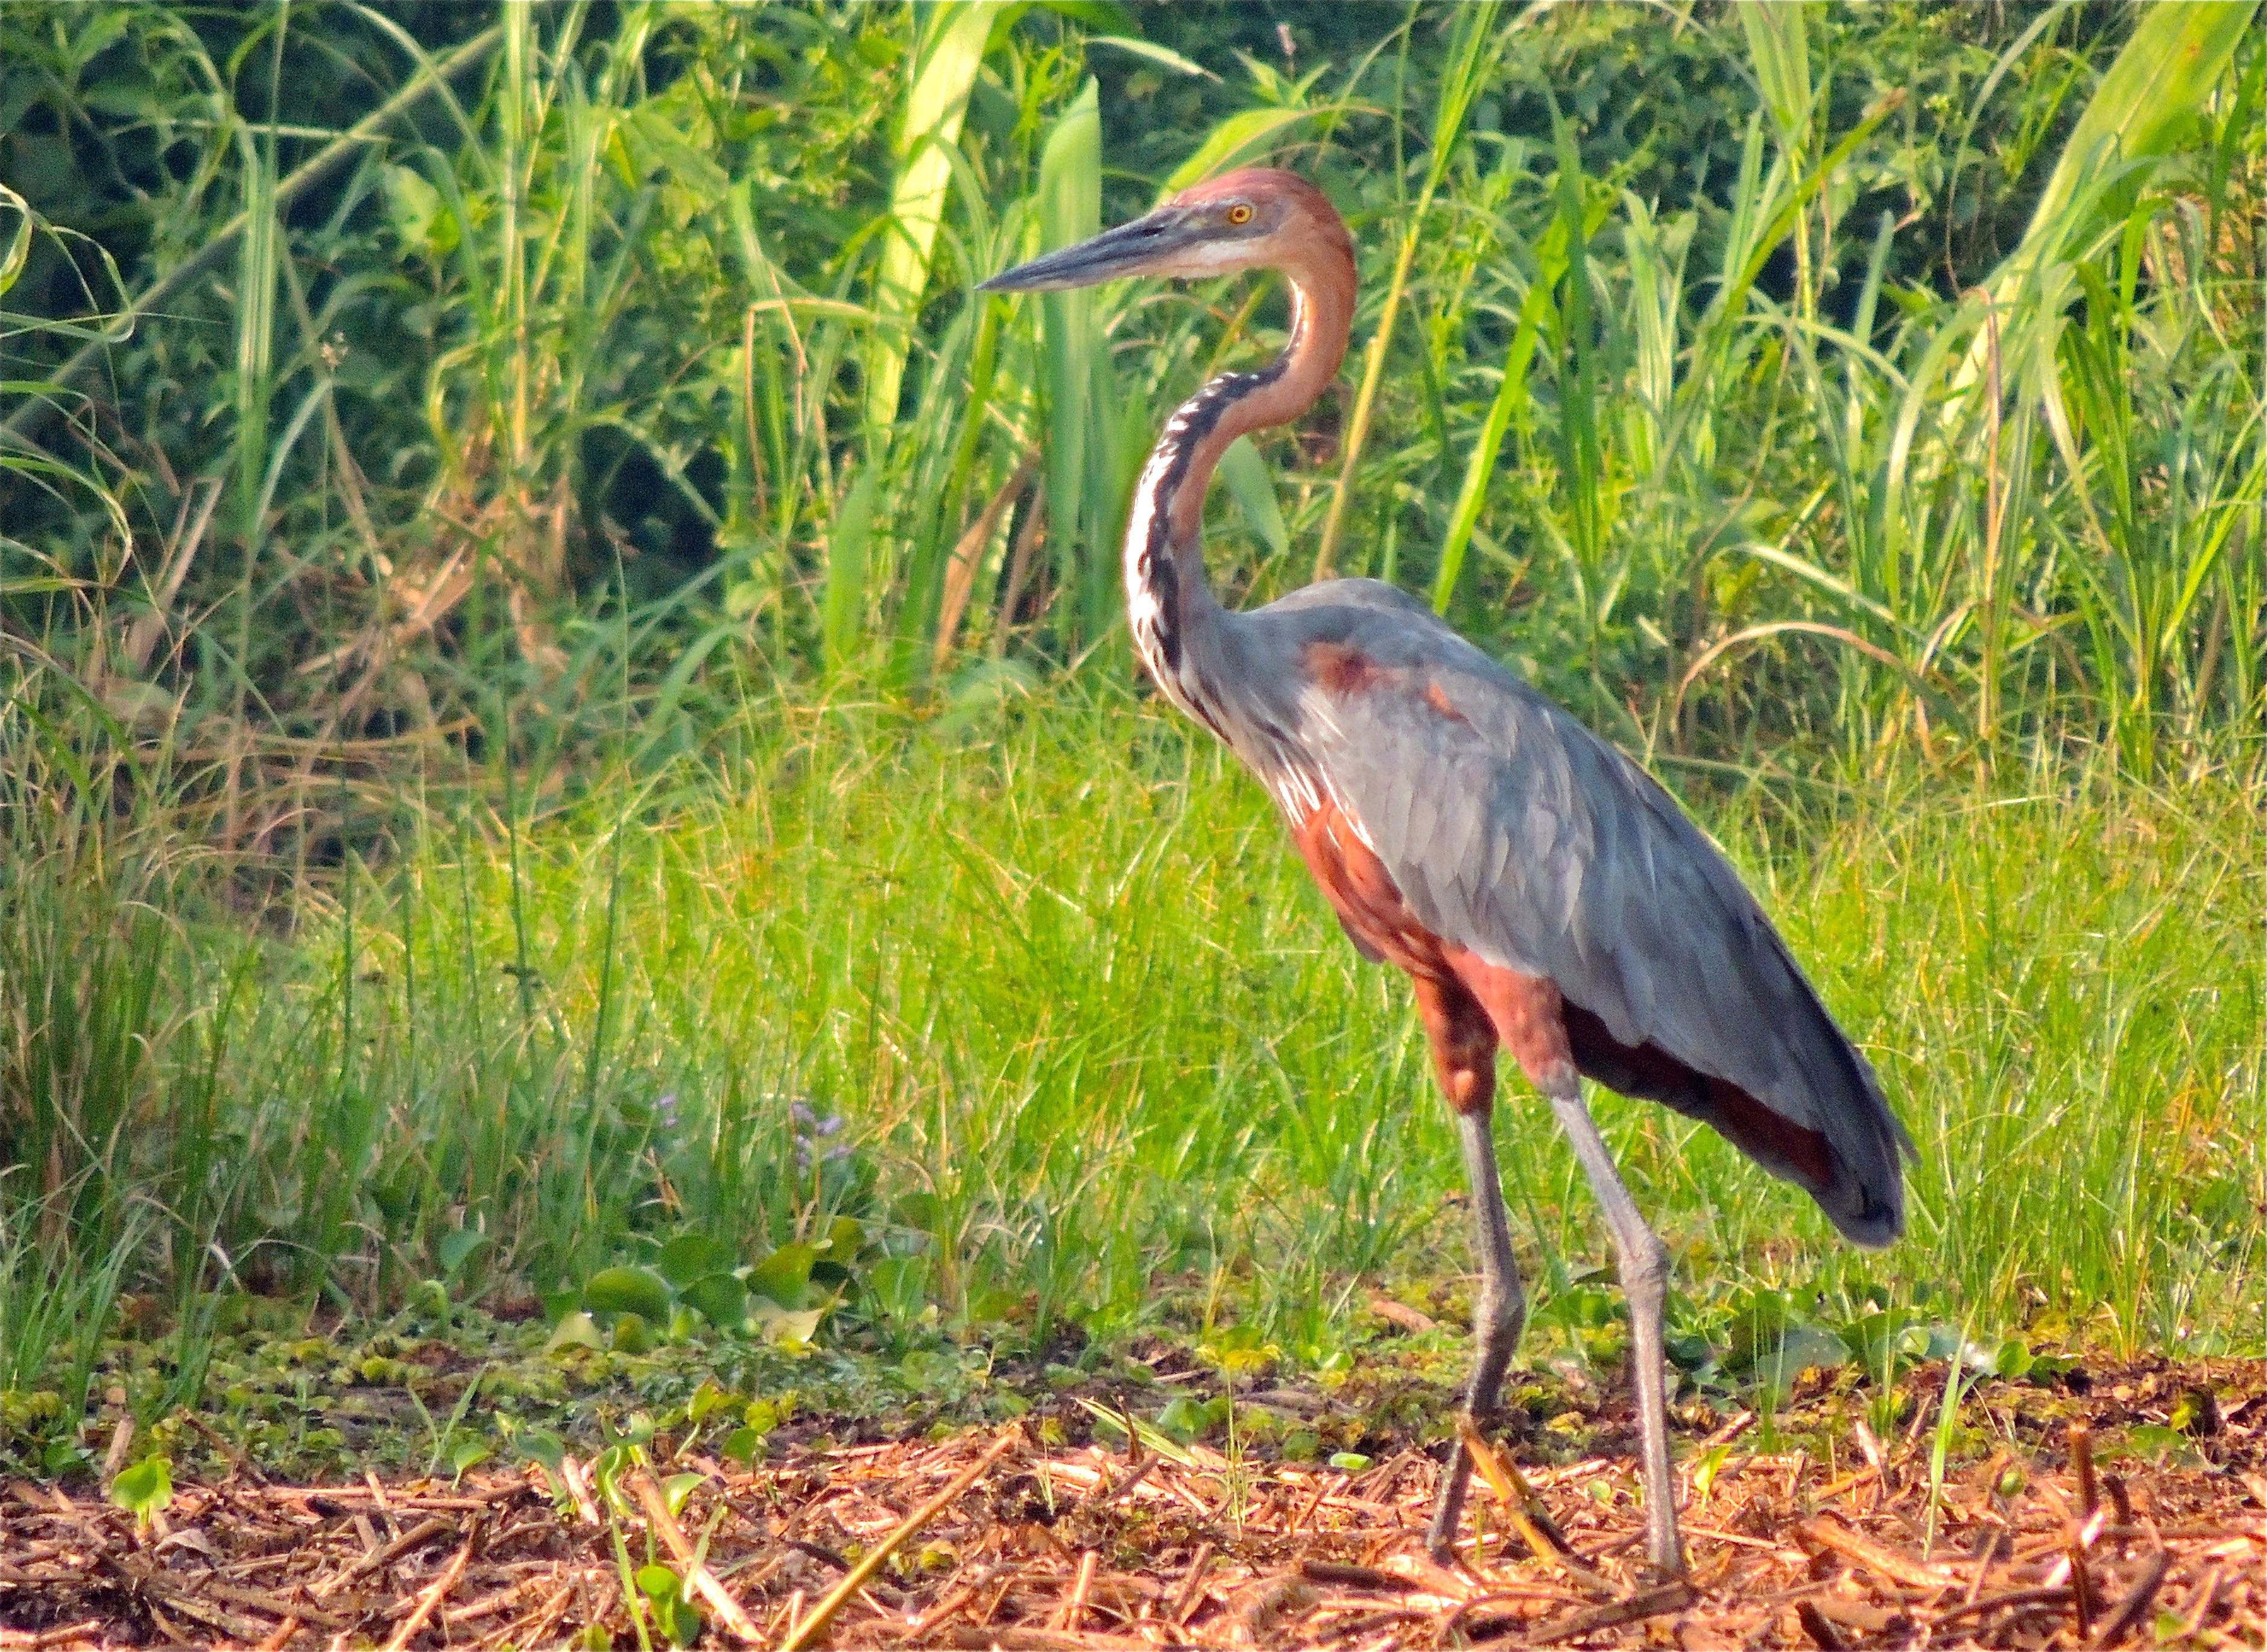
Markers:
point(1646, 1267)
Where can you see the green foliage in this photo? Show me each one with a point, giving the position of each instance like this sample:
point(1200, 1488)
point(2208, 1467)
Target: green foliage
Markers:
point(530, 501)
point(144, 1489)
point(1076, 1114)
point(530, 314)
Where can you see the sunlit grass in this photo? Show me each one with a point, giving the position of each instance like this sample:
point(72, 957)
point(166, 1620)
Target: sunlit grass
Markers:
point(1092, 1034)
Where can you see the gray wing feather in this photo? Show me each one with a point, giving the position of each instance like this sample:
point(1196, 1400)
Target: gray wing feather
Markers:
point(1511, 830)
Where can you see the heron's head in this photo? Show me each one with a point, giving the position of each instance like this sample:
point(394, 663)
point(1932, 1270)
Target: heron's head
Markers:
point(1257, 217)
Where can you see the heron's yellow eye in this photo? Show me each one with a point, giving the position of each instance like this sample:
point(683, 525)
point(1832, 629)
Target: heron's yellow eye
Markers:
point(1239, 213)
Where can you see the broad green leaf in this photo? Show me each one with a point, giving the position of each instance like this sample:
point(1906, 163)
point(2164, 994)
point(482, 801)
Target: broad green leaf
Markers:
point(1079, 423)
point(722, 1298)
point(19, 239)
point(784, 1276)
point(422, 222)
point(627, 1290)
point(2147, 102)
point(946, 60)
point(798, 1327)
point(1778, 46)
point(690, 1256)
point(1234, 139)
point(1164, 57)
point(457, 1247)
point(576, 1330)
point(146, 1489)
point(2148, 97)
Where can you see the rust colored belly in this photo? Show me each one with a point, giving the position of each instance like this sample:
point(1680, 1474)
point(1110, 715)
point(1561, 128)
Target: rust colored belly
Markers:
point(1469, 1004)
point(1521, 1011)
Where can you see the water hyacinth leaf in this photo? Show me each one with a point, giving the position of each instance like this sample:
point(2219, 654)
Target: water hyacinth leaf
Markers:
point(721, 1298)
point(846, 1237)
point(576, 1330)
point(690, 1256)
point(677, 1487)
point(626, 1289)
point(782, 1324)
point(784, 1276)
point(1799, 1347)
point(457, 1247)
point(633, 1335)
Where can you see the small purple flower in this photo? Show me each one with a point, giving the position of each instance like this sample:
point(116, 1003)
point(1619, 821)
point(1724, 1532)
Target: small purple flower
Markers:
point(810, 1131)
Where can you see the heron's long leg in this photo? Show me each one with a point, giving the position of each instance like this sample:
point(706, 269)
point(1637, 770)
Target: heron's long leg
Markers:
point(1463, 1041)
point(1497, 1316)
point(1644, 1276)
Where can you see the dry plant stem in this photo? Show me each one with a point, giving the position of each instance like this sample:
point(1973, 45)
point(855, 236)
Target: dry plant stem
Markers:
point(960, 567)
point(1522, 1506)
point(809, 1630)
point(2135, 1606)
point(1651, 1604)
point(434, 1594)
point(1193, 1590)
point(2081, 1460)
point(2081, 1591)
point(1827, 1533)
point(656, 1504)
point(62, 1634)
point(1819, 1628)
point(1074, 1606)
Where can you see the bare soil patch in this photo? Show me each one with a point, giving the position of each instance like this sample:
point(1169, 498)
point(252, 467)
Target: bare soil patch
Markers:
point(995, 1539)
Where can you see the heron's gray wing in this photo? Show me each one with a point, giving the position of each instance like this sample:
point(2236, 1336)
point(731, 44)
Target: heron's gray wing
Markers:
point(1513, 831)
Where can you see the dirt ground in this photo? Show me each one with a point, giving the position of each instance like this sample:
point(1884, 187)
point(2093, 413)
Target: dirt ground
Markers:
point(993, 1538)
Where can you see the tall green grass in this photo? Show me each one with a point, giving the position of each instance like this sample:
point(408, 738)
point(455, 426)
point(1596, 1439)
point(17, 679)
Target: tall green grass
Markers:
point(1090, 1032)
point(568, 631)
point(1728, 458)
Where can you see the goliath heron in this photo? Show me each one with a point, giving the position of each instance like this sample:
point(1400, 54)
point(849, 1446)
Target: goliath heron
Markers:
point(1542, 892)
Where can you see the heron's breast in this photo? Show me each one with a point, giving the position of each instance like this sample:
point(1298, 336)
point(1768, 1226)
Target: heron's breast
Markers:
point(1525, 1011)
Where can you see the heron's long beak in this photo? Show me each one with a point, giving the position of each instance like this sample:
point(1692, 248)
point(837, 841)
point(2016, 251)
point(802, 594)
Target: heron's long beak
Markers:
point(1131, 249)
